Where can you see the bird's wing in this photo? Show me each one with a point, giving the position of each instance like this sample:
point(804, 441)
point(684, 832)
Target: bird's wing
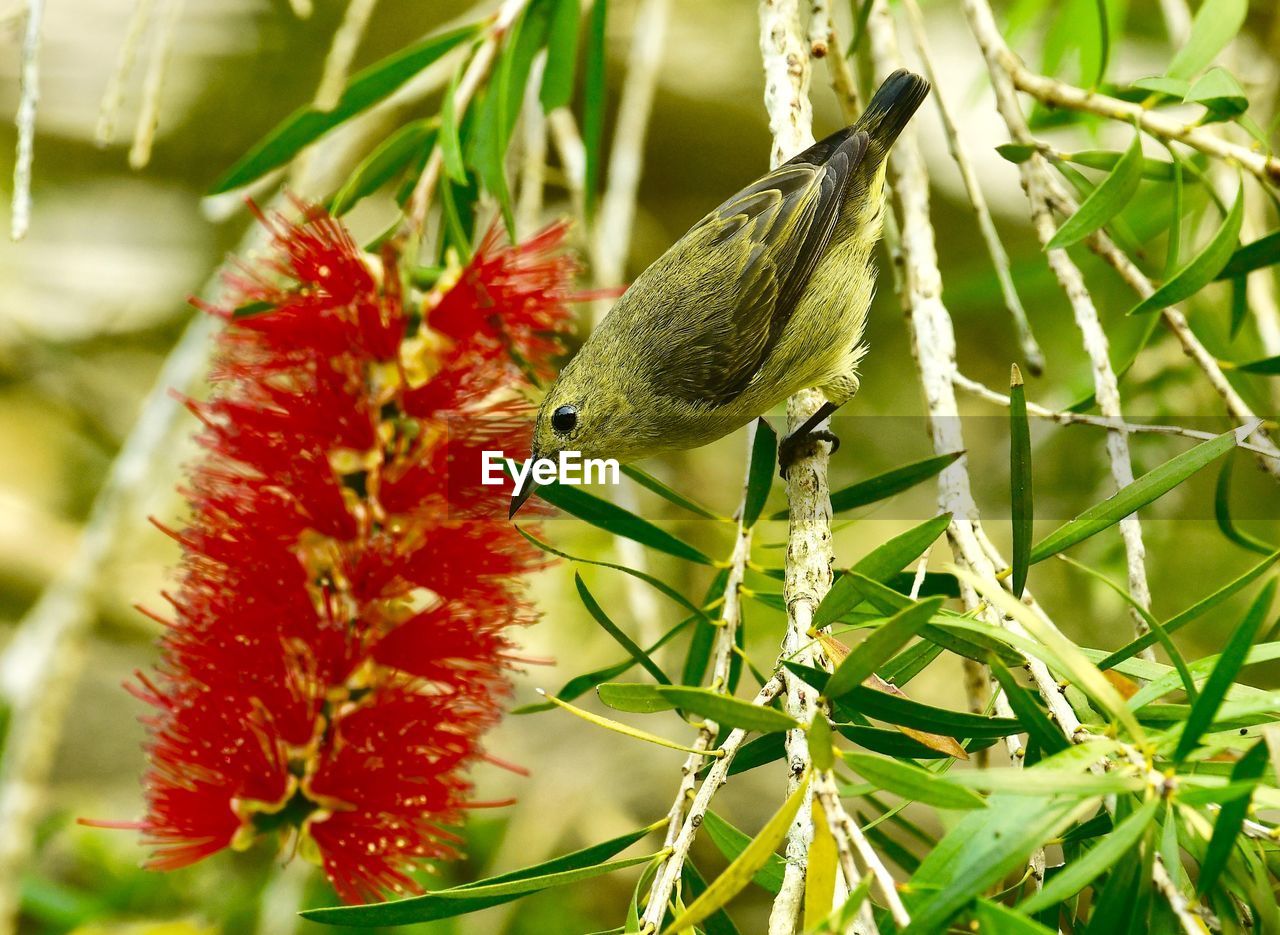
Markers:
point(767, 240)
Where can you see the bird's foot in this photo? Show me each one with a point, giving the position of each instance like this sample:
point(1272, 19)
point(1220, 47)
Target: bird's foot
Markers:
point(791, 447)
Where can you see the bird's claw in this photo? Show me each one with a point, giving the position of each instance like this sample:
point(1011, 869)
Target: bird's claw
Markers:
point(791, 446)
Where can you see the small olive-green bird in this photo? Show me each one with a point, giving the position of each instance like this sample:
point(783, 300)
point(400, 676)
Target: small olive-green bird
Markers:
point(765, 296)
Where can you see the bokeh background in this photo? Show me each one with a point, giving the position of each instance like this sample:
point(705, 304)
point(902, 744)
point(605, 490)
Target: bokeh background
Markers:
point(94, 297)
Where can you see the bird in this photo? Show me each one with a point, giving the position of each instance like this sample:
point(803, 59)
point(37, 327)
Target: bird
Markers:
point(765, 296)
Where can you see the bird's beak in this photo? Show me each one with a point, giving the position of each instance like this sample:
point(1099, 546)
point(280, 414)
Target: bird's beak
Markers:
point(520, 496)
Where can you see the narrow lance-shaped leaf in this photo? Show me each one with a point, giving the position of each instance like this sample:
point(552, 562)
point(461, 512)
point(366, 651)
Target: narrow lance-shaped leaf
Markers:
point(1150, 486)
point(979, 851)
point(739, 873)
point(1034, 720)
point(594, 101)
point(1020, 493)
point(821, 870)
point(1222, 511)
point(1082, 672)
point(1079, 873)
point(621, 638)
point(1104, 202)
point(1219, 91)
point(996, 919)
point(1154, 170)
point(1201, 269)
point(883, 486)
point(438, 905)
point(388, 158)
point(1230, 819)
point(625, 729)
point(1270, 366)
point(877, 648)
point(1224, 673)
point(1104, 41)
point(1260, 253)
point(731, 843)
point(562, 56)
point(670, 494)
point(621, 522)
point(1192, 613)
point(880, 564)
point(912, 782)
point(764, 457)
point(365, 89)
point(727, 711)
point(1216, 23)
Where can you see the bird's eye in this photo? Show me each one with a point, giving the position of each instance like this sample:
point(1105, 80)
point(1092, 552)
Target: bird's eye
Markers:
point(564, 419)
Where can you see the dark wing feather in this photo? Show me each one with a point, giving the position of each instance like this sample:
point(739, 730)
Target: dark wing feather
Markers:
point(768, 238)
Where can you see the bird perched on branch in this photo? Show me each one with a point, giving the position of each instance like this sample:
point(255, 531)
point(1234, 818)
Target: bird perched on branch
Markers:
point(765, 296)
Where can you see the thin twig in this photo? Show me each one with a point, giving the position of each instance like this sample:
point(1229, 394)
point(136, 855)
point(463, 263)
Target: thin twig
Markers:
point(722, 659)
point(1037, 182)
point(1066, 417)
point(1191, 923)
point(716, 777)
point(158, 57)
point(612, 235)
point(477, 70)
point(807, 575)
point(342, 52)
point(20, 219)
point(109, 110)
point(573, 155)
point(843, 830)
point(1034, 357)
point(1059, 94)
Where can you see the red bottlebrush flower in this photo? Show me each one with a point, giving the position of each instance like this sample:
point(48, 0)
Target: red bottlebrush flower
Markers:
point(338, 644)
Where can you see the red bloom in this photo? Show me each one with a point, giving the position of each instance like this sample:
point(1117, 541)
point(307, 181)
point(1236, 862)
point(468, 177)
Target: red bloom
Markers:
point(338, 648)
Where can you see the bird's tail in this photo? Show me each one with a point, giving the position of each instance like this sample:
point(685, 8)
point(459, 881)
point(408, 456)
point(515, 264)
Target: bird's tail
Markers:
point(890, 108)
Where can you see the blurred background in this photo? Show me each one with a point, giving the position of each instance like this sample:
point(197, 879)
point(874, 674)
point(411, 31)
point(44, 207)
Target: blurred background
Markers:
point(94, 298)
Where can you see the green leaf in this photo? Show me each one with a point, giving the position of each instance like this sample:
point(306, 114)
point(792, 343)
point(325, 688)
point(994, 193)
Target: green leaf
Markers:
point(1268, 365)
point(450, 134)
point(731, 843)
point(1016, 152)
point(1084, 675)
point(307, 124)
point(1029, 713)
point(633, 697)
point(905, 712)
point(912, 782)
point(1155, 170)
point(1020, 483)
point(1265, 251)
point(883, 486)
point(1040, 781)
point(620, 522)
point(1132, 497)
point(1224, 673)
point(1170, 87)
point(670, 494)
point(1176, 203)
point(880, 564)
point(388, 158)
point(1216, 23)
point(1230, 819)
point(1222, 511)
point(880, 646)
point(581, 684)
point(594, 99)
point(459, 900)
point(1104, 41)
point(764, 458)
point(995, 919)
point(1104, 202)
point(1203, 268)
point(1196, 610)
point(648, 579)
point(744, 867)
point(1083, 870)
point(634, 651)
point(1219, 91)
point(893, 743)
point(727, 711)
point(626, 730)
point(979, 851)
point(821, 742)
point(562, 56)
